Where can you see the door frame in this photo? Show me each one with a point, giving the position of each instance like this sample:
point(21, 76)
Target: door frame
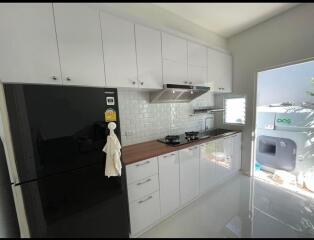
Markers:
point(253, 141)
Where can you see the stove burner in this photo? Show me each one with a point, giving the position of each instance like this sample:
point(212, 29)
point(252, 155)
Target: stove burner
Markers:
point(172, 139)
point(191, 135)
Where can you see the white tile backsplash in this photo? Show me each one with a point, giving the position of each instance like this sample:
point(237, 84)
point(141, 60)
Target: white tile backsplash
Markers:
point(142, 121)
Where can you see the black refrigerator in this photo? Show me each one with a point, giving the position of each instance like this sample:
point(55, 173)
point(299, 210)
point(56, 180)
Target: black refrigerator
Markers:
point(58, 133)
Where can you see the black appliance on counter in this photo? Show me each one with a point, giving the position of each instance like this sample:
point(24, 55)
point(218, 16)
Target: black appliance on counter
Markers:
point(176, 140)
point(58, 133)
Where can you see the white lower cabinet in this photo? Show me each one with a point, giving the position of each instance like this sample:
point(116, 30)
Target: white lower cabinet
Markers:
point(144, 212)
point(169, 183)
point(208, 176)
point(159, 186)
point(189, 174)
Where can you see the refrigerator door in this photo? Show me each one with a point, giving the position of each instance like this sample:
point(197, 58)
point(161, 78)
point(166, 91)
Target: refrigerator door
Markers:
point(81, 203)
point(8, 220)
point(57, 129)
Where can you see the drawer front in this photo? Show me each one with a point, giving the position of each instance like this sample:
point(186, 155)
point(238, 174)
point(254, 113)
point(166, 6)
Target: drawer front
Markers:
point(143, 187)
point(144, 212)
point(142, 169)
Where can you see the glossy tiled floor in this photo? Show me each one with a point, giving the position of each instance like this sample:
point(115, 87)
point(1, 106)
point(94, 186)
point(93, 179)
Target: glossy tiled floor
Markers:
point(242, 207)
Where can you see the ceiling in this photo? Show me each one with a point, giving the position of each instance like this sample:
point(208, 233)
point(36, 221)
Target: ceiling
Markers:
point(226, 19)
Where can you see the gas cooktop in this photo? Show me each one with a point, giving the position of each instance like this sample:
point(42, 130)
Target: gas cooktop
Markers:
point(177, 140)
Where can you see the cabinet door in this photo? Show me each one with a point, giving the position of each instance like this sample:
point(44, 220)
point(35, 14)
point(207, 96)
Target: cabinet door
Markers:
point(207, 167)
point(237, 152)
point(144, 212)
point(119, 51)
point(149, 63)
point(174, 72)
point(169, 185)
point(28, 45)
point(228, 150)
point(197, 75)
point(174, 48)
point(80, 46)
point(219, 71)
point(220, 157)
point(189, 174)
point(197, 55)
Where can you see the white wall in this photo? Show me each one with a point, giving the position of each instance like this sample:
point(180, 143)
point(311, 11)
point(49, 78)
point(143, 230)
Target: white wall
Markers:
point(285, 38)
point(143, 121)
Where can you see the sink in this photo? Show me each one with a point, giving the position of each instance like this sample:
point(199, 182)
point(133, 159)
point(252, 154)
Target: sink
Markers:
point(214, 132)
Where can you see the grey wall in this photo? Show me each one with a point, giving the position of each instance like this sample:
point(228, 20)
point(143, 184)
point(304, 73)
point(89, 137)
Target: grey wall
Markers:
point(285, 38)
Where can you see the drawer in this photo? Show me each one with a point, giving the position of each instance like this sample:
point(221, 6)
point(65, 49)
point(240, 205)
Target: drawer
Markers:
point(142, 169)
point(144, 212)
point(143, 187)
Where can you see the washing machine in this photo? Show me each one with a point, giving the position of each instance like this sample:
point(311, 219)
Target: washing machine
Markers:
point(285, 137)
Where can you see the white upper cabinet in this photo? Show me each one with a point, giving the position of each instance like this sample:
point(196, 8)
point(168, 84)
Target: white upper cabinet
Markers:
point(119, 51)
point(189, 174)
point(197, 64)
point(219, 71)
point(197, 55)
point(28, 45)
point(149, 62)
point(174, 48)
point(80, 46)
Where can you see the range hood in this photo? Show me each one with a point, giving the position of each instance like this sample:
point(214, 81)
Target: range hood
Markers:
point(175, 93)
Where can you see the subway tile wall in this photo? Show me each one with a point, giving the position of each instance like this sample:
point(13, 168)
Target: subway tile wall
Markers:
point(142, 121)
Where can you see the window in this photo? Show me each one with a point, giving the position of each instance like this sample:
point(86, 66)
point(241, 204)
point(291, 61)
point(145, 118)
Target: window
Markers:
point(234, 110)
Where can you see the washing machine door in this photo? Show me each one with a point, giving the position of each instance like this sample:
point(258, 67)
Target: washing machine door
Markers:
point(277, 153)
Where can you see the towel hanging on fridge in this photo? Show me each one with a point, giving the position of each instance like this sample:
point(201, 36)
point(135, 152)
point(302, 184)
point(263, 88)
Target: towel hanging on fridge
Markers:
point(113, 154)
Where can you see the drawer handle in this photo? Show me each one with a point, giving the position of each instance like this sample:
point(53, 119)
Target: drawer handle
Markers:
point(173, 154)
point(142, 201)
point(146, 181)
point(141, 164)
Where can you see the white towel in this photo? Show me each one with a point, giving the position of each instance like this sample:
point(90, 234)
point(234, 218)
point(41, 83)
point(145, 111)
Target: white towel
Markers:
point(113, 154)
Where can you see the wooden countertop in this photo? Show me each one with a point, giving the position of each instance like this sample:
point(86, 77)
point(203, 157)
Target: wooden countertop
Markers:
point(141, 151)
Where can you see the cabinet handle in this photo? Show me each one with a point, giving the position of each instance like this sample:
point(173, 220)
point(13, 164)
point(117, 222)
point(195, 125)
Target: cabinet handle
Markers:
point(173, 154)
point(186, 82)
point(166, 156)
point(142, 83)
point(146, 181)
point(150, 197)
point(54, 78)
point(190, 82)
point(141, 164)
point(133, 82)
point(68, 79)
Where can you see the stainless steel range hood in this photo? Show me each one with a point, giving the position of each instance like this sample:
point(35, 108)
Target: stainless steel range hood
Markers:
point(173, 93)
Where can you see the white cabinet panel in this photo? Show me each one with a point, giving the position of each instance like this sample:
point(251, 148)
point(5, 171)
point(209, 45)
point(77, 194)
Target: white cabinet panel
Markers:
point(174, 72)
point(219, 71)
point(28, 45)
point(174, 48)
point(197, 75)
point(237, 152)
point(228, 150)
point(143, 187)
point(189, 174)
point(80, 45)
point(149, 62)
point(221, 166)
point(169, 185)
point(144, 212)
point(208, 176)
point(197, 55)
point(119, 51)
point(142, 169)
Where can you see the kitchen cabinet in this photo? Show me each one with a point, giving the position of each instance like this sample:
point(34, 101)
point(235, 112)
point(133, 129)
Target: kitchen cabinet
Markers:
point(189, 174)
point(169, 183)
point(140, 170)
point(144, 212)
point(237, 152)
point(219, 71)
point(149, 61)
point(174, 72)
point(208, 177)
point(119, 51)
point(197, 64)
point(174, 48)
point(80, 46)
point(28, 45)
